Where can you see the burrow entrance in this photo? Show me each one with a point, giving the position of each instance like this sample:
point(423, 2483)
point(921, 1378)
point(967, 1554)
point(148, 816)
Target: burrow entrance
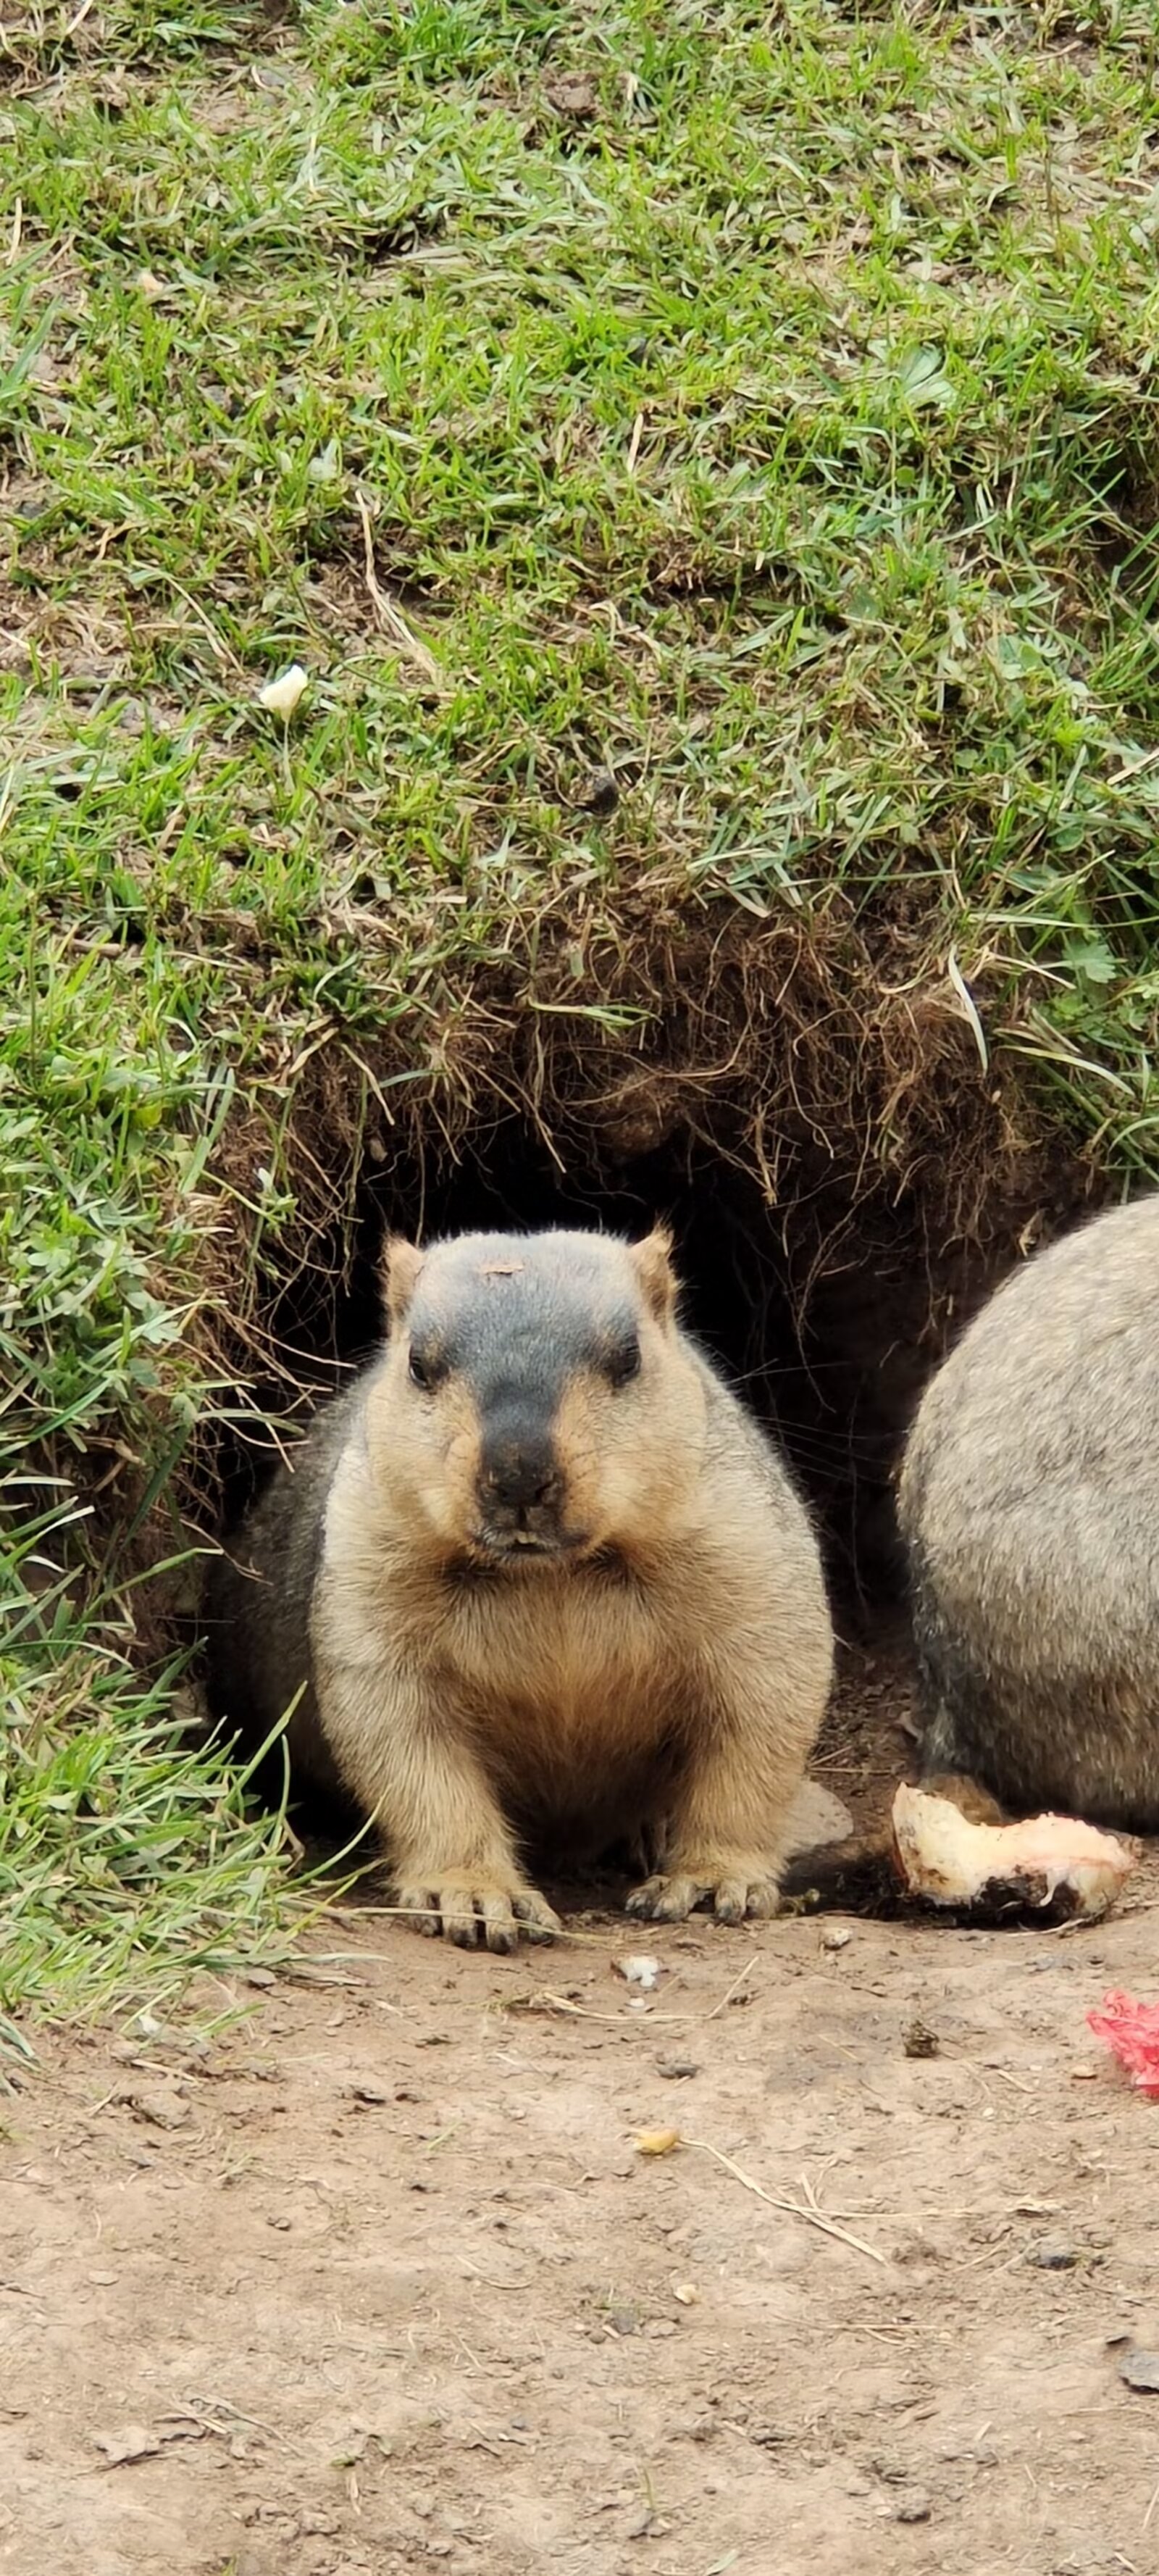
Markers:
point(828, 1301)
point(827, 1342)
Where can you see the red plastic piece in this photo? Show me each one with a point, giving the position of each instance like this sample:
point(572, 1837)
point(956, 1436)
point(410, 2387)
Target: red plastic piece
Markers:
point(1131, 2032)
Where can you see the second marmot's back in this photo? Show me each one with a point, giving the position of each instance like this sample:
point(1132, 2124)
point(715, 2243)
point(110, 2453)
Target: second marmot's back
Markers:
point(537, 1570)
point(1029, 1503)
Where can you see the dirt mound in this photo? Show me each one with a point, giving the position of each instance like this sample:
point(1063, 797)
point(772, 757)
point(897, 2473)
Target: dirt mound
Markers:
point(844, 1175)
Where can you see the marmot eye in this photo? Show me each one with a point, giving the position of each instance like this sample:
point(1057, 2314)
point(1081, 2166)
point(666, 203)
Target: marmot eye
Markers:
point(422, 1371)
point(624, 1365)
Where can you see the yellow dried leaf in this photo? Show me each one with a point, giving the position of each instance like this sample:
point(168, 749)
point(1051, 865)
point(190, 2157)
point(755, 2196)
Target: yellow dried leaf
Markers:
point(656, 2142)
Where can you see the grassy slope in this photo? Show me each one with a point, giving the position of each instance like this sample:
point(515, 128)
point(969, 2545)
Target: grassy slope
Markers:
point(758, 399)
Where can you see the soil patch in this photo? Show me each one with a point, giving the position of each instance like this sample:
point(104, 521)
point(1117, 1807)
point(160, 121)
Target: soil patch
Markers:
point(378, 2281)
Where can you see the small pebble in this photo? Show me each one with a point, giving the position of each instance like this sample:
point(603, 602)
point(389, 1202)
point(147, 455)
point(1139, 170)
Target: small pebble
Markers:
point(675, 2068)
point(1055, 2257)
point(639, 1970)
point(162, 2110)
point(913, 2508)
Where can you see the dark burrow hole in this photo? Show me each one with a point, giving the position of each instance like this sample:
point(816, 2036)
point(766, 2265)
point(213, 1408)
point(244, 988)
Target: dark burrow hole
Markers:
point(826, 1316)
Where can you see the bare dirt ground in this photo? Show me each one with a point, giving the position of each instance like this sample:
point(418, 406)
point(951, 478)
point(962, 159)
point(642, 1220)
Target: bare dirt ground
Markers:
point(379, 2281)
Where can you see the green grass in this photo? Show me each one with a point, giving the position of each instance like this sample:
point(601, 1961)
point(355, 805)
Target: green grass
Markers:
point(760, 401)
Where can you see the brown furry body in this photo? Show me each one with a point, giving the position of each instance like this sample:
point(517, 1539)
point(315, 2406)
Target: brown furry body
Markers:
point(643, 1649)
point(1029, 1503)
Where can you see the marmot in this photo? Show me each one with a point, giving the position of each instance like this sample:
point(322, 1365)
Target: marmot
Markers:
point(1029, 1504)
point(543, 1579)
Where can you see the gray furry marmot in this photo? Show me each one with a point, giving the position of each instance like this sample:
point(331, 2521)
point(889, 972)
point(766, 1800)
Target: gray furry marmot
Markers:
point(541, 1577)
point(1029, 1504)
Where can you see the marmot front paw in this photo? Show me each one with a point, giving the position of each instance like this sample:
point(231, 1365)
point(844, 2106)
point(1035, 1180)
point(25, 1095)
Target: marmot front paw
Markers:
point(736, 1890)
point(466, 1907)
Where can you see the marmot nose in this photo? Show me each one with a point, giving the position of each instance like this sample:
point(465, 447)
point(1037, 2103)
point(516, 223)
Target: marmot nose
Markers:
point(518, 1473)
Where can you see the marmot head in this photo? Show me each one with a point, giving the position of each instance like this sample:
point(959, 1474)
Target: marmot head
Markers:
point(537, 1402)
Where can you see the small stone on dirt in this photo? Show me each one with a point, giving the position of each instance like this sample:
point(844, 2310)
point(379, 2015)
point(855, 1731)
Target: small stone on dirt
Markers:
point(1055, 2257)
point(132, 2443)
point(915, 2507)
point(817, 1821)
point(1140, 2370)
point(676, 2068)
point(161, 2110)
point(918, 2040)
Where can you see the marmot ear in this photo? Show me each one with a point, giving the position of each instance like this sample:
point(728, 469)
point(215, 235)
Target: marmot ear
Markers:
point(401, 1264)
point(652, 1263)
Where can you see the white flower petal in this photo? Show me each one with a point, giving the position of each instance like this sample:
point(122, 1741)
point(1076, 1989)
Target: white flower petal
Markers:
point(281, 696)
